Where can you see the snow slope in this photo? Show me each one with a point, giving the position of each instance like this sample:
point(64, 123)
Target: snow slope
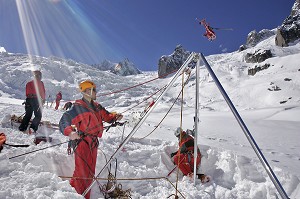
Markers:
point(227, 155)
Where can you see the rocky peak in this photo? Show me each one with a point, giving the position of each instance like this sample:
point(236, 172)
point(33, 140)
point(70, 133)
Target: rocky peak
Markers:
point(295, 8)
point(255, 37)
point(289, 31)
point(171, 63)
point(2, 50)
point(122, 68)
point(125, 68)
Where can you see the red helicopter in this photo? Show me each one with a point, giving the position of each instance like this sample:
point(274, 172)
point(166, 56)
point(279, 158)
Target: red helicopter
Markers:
point(209, 33)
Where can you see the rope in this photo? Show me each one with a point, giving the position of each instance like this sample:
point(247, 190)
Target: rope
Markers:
point(37, 150)
point(181, 112)
point(128, 88)
point(124, 179)
point(127, 179)
point(167, 111)
point(162, 118)
point(17, 145)
point(145, 99)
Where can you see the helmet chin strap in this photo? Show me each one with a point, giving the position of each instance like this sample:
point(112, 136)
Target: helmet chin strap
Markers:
point(88, 95)
point(85, 94)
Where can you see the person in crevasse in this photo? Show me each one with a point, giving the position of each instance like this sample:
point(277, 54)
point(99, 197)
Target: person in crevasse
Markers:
point(184, 157)
point(35, 98)
point(57, 100)
point(83, 124)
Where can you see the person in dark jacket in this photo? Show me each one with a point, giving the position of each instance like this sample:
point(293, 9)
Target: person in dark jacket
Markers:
point(83, 124)
point(57, 100)
point(35, 98)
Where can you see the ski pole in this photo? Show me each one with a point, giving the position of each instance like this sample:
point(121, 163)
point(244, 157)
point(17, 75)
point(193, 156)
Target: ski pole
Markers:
point(17, 145)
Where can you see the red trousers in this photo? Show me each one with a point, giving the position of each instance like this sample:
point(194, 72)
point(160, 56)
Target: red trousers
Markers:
point(85, 164)
point(57, 104)
point(185, 162)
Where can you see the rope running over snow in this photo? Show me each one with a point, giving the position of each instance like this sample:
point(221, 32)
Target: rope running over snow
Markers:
point(167, 111)
point(127, 179)
point(128, 88)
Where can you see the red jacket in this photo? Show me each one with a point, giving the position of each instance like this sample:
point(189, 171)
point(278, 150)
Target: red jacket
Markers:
point(58, 96)
point(87, 119)
point(31, 92)
point(186, 144)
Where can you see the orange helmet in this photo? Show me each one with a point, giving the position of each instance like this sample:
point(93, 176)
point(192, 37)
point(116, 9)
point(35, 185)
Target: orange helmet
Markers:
point(86, 84)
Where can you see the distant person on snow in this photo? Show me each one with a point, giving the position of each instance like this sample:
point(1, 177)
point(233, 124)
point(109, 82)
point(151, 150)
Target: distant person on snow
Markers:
point(184, 158)
point(67, 106)
point(35, 98)
point(57, 100)
point(2, 140)
point(83, 124)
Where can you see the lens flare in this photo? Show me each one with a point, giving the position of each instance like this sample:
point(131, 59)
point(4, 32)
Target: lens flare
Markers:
point(62, 29)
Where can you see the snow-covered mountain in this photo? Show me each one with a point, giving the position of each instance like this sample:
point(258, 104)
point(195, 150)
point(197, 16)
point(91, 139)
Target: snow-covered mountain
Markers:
point(170, 63)
point(271, 114)
point(58, 75)
point(268, 101)
point(64, 75)
point(123, 68)
point(2, 50)
point(289, 31)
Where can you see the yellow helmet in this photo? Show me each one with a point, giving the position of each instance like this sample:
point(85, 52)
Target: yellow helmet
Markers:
point(86, 84)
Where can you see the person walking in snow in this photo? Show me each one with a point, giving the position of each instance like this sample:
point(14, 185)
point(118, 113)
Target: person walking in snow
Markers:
point(35, 98)
point(83, 123)
point(184, 157)
point(57, 100)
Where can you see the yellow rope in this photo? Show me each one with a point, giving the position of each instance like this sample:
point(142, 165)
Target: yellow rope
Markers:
point(180, 137)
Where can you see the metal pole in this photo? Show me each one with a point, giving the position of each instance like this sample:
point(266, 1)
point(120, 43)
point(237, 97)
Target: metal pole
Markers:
point(246, 132)
point(196, 121)
point(185, 64)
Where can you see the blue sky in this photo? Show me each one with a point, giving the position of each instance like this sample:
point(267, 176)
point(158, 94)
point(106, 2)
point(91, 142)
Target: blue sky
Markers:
point(90, 31)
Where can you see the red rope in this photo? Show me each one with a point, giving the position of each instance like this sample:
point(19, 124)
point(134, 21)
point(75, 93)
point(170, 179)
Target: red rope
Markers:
point(144, 99)
point(118, 91)
point(156, 126)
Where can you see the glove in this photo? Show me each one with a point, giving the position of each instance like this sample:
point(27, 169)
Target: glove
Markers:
point(74, 136)
point(119, 116)
point(173, 154)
